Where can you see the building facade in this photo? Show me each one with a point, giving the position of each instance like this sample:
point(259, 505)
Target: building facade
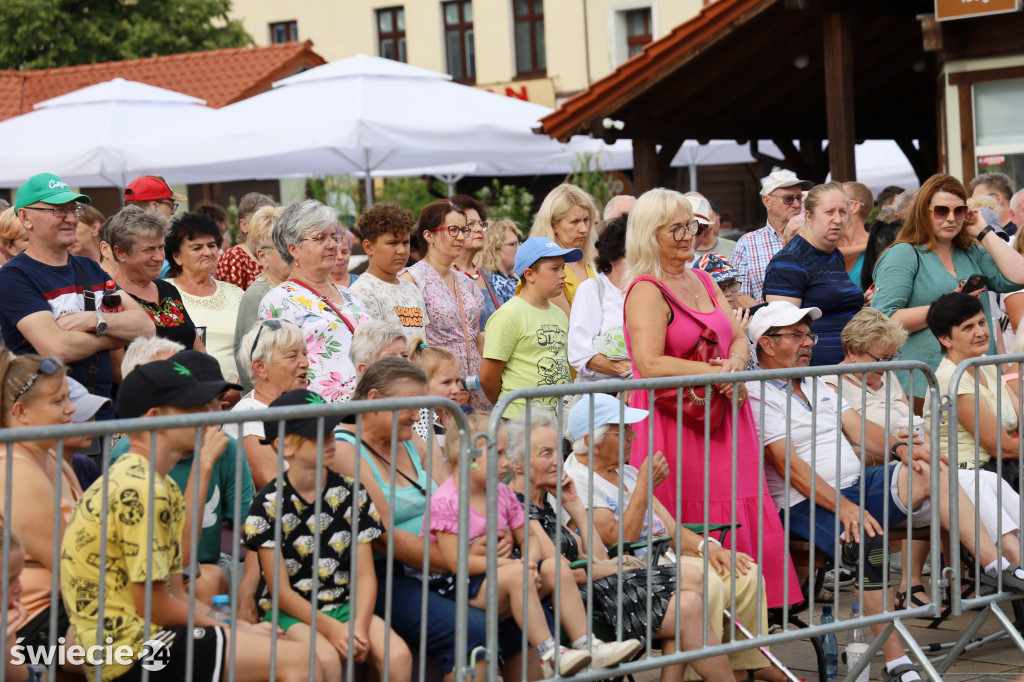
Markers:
point(543, 51)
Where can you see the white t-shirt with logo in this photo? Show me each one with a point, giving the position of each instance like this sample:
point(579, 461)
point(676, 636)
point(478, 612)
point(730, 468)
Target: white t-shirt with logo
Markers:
point(401, 303)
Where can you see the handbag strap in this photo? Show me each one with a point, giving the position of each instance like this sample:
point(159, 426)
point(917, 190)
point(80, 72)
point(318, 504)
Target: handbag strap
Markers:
point(351, 329)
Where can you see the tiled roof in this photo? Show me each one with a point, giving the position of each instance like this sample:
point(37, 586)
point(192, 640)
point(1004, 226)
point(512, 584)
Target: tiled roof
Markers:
point(218, 76)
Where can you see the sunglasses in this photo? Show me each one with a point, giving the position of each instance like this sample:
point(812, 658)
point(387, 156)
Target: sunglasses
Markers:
point(788, 199)
point(49, 367)
point(267, 324)
point(942, 212)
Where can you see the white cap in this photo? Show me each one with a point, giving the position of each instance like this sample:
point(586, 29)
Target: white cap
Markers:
point(782, 178)
point(701, 209)
point(778, 314)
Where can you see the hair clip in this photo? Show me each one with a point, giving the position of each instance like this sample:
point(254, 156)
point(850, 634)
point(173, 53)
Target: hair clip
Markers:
point(421, 346)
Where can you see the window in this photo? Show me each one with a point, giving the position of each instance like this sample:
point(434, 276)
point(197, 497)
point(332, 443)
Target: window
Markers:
point(458, 40)
point(531, 60)
point(391, 33)
point(284, 31)
point(638, 30)
point(998, 139)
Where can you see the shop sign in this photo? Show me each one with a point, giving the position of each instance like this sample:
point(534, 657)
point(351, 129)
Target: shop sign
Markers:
point(997, 160)
point(965, 9)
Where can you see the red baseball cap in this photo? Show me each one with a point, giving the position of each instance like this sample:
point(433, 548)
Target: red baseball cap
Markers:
point(150, 188)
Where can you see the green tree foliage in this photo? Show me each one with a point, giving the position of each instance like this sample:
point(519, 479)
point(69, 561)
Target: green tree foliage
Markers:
point(49, 33)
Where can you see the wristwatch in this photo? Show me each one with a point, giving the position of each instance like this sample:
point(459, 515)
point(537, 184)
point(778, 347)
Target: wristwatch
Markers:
point(101, 324)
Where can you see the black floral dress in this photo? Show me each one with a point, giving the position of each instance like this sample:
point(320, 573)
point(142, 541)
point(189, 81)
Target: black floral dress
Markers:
point(606, 590)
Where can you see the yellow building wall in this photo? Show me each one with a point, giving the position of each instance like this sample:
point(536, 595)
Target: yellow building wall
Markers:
point(584, 39)
point(952, 103)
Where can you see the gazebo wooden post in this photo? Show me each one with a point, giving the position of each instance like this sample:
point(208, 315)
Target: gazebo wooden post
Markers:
point(839, 96)
point(645, 165)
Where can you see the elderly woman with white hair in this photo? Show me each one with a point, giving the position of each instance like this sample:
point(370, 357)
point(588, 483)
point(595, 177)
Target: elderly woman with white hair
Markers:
point(679, 323)
point(374, 340)
point(537, 448)
point(568, 216)
point(274, 356)
point(306, 237)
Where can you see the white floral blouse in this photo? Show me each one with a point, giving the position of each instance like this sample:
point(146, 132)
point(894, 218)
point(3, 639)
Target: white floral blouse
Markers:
point(331, 372)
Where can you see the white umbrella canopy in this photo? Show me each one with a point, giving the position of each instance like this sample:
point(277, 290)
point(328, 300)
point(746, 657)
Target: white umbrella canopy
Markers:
point(82, 136)
point(361, 115)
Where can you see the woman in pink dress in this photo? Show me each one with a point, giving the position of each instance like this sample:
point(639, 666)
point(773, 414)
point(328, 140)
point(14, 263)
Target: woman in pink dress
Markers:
point(666, 307)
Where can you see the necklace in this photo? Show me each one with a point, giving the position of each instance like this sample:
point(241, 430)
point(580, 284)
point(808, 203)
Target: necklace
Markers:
point(475, 275)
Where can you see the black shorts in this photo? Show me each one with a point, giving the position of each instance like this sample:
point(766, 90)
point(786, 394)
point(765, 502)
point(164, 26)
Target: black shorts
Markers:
point(36, 632)
point(208, 656)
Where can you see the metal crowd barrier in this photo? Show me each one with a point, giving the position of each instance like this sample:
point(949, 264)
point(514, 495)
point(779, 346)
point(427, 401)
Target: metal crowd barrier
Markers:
point(722, 462)
point(988, 605)
point(458, 430)
point(736, 642)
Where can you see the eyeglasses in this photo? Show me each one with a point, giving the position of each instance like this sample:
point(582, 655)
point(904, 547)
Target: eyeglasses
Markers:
point(895, 356)
point(483, 224)
point(267, 324)
point(732, 288)
point(942, 212)
point(323, 237)
point(514, 245)
point(172, 204)
point(60, 211)
point(692, 228)
point(799, 336)
point(49, 367)
point(788, 199)
point(453, 230)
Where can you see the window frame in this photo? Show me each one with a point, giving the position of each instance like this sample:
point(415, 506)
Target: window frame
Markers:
point(468, 62)
point(641, 39)
point(396, 35)
point(531, 18)
point(291, 27)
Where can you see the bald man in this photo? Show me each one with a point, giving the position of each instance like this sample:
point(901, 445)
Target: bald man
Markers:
point(855, 239)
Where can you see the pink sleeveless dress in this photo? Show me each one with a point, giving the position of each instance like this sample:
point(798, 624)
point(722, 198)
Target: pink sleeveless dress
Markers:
point(680, 337)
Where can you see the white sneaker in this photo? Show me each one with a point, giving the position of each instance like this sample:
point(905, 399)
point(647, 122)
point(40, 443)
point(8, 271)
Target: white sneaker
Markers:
point(607, 654)
point(570, 661)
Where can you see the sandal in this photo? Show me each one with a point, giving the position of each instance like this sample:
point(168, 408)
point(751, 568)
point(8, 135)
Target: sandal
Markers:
point(897, 673)
point(901, 603)
point(1011, 582)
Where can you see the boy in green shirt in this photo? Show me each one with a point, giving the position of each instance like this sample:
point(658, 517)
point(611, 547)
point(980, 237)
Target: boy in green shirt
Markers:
point(525, 340)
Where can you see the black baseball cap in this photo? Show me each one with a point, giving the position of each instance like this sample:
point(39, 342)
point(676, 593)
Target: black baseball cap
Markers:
point(305, 427)
point(204, 366)
point(165, 383)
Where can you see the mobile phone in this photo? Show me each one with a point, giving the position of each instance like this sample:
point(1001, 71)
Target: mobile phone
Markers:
point(754, 308)
point(974, 282)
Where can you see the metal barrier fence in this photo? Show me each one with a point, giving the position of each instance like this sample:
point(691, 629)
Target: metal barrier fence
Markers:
point(985, 417)
point(728, 464)
point(737, 641)
point(243, 643)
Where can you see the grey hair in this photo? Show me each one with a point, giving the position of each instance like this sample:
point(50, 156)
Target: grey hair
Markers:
point(516, 431)
point(271, 341)
point(580, 446)
point(901, 205)
point(1016, 199)
point(611, 208)
point(299, 219)
point(371, 338)
point(132, 222)
point(145, 349)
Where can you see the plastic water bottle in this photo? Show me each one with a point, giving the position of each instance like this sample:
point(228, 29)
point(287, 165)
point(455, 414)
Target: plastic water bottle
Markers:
point(830, 646)
point(856, 646)
point(221, 608)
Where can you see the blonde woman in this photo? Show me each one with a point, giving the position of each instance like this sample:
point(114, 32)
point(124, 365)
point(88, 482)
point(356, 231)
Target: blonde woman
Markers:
point(501, 241)
point(568, 216)
point(13, 238)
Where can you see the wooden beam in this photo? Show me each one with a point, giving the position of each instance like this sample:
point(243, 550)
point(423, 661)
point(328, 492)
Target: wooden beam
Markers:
point(966, 131)
point(839, 96)
point(645, 165)
point(668, 151)
point(918, 158)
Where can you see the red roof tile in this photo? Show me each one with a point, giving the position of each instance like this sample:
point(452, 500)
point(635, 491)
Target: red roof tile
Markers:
point(218, 76)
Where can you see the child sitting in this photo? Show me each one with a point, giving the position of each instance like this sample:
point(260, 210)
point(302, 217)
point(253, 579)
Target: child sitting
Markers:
point(444, 524)
point(442, 370)
point(294, 556)
point(526, 339)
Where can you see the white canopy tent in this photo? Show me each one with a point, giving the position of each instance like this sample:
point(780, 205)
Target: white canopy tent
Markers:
point(83, 136)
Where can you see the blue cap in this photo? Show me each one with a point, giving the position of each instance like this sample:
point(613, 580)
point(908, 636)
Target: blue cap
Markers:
point(606, 411)
point(535, 248)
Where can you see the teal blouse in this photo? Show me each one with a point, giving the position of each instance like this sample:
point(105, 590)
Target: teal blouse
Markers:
point(908, 276)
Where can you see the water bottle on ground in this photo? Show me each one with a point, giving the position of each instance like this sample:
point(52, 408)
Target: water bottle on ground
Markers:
point(830, 645)
point(856, 646)
point(221, 609)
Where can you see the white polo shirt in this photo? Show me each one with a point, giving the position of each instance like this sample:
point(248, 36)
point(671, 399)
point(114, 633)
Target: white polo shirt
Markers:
point(799, 418)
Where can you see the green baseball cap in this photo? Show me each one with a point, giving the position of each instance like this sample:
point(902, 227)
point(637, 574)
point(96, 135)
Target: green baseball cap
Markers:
point(49, 188)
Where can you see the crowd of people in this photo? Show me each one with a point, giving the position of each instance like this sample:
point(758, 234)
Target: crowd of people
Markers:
point(149, 312)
